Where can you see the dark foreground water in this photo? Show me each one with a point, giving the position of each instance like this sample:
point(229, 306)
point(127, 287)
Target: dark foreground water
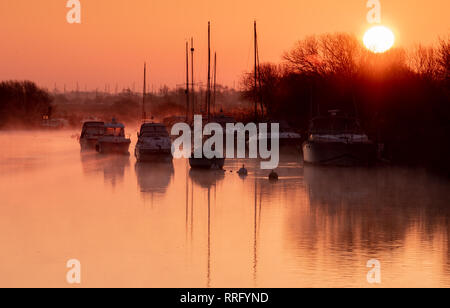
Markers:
point(156, 225)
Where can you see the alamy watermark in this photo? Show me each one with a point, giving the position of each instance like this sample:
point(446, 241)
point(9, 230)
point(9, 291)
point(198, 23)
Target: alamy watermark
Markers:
point(255, 137)
point(73, 276)
point(374, 275)
point(374, 15)
point(74, 14)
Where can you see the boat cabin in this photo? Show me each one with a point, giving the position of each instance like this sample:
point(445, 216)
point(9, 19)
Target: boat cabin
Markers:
point(335, 125)
point(93, 129)
point(149, 130)
point(114, 129)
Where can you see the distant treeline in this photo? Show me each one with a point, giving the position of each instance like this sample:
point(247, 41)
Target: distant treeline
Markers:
point(22, 104)
point(127, 105)
point(401, 96)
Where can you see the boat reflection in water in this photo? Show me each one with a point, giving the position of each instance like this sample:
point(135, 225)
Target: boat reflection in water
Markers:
point(206, 178)
point(154, 178)
point(314, 227)
point(112, 166)
point(393, 215)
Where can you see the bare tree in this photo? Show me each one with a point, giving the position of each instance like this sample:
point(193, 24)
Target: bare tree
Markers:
point(269, 76)
point(444, 58)
point(423, 61)
point(326, 54)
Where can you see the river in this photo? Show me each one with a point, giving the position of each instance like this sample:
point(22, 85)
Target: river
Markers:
point(155, 225)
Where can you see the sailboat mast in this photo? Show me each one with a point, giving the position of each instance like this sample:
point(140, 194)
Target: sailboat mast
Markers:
point(192, 77)
point(144, 92)
point(215, 80)
point(208, 96)
point(187, 81)
point(256, 71)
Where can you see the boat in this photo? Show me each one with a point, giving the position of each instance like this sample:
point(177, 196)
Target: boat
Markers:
point(200, 161)
point(153, 143)
point(90, 133)
point(50, 123)
point(54, 124)
point(338, 140)
point(113, 140)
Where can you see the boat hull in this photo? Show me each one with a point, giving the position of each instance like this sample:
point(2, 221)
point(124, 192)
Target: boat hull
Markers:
point(88, 144)
point(339, 154)
point(145, 155)
point(113, 147)
point(204, 163)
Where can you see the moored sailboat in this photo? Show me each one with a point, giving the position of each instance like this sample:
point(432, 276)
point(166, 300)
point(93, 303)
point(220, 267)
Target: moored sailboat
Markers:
point(198, 159)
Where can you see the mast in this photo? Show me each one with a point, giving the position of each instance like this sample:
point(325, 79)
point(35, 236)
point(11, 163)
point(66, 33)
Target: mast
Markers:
point(258, 86)
point(144, 92)
point(214, 87)
point(192, 77)
point(208, 95)
point(187, 82)
point(256, 71)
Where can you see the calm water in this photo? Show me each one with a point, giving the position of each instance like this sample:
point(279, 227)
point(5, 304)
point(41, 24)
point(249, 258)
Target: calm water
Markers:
point(166, 226)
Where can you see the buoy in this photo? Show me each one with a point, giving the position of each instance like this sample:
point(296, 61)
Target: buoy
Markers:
point(243, 171)
point(273, 176)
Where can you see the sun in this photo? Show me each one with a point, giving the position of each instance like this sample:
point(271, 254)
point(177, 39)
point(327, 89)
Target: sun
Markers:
point(379, 39)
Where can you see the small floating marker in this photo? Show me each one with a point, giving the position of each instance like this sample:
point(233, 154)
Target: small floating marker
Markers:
point(273, 176)
point(243, 171)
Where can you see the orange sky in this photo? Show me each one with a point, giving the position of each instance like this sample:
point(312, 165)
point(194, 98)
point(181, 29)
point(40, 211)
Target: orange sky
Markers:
point(115, 37)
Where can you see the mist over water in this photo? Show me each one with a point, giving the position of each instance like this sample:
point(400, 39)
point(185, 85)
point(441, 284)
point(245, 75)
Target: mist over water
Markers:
point(164, 225)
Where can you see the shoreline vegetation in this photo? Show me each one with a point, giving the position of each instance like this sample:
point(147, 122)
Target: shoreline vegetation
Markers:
point(402, 96)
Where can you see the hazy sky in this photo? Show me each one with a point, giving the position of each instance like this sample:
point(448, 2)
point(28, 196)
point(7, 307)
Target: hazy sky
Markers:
point(116, 36)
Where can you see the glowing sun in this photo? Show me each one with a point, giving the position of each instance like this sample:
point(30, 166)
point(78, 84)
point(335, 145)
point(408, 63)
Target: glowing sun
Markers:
point(379, 39)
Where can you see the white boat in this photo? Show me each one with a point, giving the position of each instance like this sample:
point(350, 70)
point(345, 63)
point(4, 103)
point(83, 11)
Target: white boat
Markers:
point(113, 140)
point(153, 143)
point(338, 140)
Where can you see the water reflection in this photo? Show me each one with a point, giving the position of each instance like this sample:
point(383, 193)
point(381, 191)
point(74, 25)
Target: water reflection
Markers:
point(313, 227)
point(154, 178)
point(378, 206)
point(290, 172)
point(382, 213)
point(206, 178)
point(111, 166)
